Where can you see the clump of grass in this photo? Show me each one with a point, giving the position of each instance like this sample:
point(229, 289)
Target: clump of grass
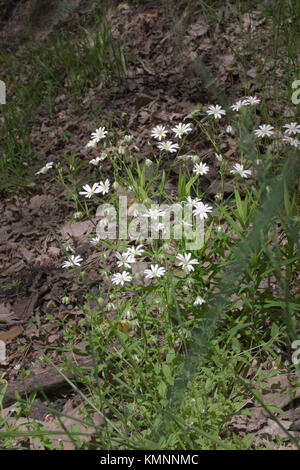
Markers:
point(61, 64)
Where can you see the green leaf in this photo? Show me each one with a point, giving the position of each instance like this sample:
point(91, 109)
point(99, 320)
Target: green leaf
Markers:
point(167, 373)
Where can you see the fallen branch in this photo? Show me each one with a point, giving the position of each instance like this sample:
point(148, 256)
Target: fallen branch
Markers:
point(45, 383)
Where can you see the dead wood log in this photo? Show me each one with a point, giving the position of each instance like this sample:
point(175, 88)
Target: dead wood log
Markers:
point(45, 383)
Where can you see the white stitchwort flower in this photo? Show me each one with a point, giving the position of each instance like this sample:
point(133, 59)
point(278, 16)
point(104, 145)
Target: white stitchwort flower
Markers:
point(159, 132)
point(73, 261)
point(200, 169)
point(181, 129)
point(293, 128)
point(154, 213)
point(219, 157)
point(125, 260)
point(78, 215)
point(253, 100)
point(99, 134)
point(236, 106)
point(121, 278)
point(237, 168)
point(265, 130)
point(96, 161)
point(199, 301)
point(90, 191)
point(186, 158)
point(157, 227)
point(45, 168)
point(229, 129)
point(127, 138)
point(185, 262)
point(292, 141)
point(192, 202)
point(148, 162)
point(168, 146)
point(135, 250)
point(104, 186)
point(92, 143)
point(216, 111)
point(110, 306)
point(185, 224)
point(96, 240)
point(202, 210)
point(154, 272)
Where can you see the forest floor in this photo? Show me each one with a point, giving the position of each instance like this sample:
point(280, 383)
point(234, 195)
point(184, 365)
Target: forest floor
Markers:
point(179, 56)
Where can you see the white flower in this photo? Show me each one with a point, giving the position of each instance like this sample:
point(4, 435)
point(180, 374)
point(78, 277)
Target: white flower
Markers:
point(253, 100)
point(127, 138)
point(218, 197)
point(96, 161)
point(92, 143)
point(158, 132)
point(158, 226)
point(219, 157)
point(186, 262)
point(239, 104)
point(201, 210)
point(125, 260)
point(99, 134)
point(192, 202)
point(185, 224)
point(264, 130)
point(69, 248)
point(96, 240)
point(293, 128)
point(216, 111)
point(229, 129)
point(240, 170)
point(292, 141)
point(90, 191)
point(128, 315)
point(148, 162)
point(121, 278)
point(73, 261)
point(181, 129)
point(135, 250)
point(185, 158)
point(168, 146)
point(110, 306)
point(200, 169)
point(45, 168)
point(104, 187)
point(199, 301)
point(78, 215)
point(154, 272)
point(154, 213)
